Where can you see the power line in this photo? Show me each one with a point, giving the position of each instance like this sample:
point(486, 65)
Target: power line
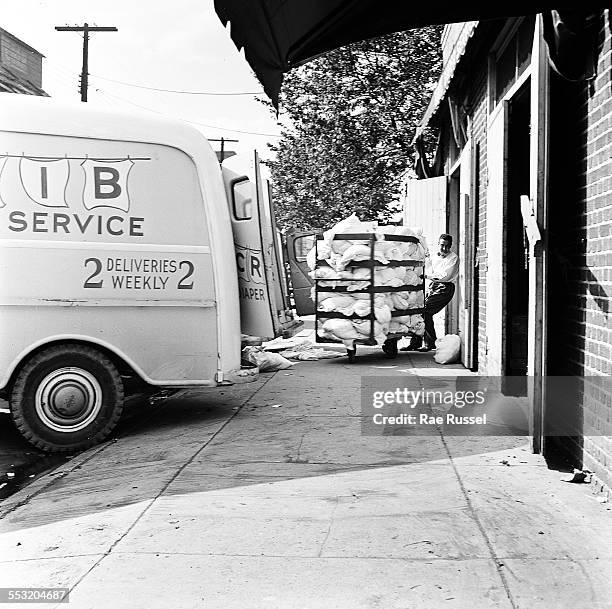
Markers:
point(186, 120)
point(129, 84)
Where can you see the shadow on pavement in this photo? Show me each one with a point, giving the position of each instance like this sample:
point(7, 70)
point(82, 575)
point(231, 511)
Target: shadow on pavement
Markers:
point(297, 423)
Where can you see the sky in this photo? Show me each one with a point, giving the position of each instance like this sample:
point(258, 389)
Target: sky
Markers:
point(179, 45)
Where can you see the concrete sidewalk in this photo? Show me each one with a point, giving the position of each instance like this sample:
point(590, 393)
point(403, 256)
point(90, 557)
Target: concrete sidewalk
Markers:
point(267, 495)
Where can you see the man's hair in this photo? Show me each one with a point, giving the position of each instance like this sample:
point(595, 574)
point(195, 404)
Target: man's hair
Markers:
point(446, 237)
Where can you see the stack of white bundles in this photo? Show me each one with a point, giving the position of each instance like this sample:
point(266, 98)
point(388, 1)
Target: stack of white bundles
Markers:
point(338, 255)
point(411, 275)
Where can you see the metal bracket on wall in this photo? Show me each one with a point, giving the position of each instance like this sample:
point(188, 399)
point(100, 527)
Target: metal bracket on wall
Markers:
point(534, 235)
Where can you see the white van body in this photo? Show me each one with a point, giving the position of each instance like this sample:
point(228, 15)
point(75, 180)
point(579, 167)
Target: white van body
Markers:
point(114, 234)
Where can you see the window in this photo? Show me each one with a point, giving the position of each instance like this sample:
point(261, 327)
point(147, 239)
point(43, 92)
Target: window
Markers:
point(302, 245)
point(514, 58)
point(242, 203)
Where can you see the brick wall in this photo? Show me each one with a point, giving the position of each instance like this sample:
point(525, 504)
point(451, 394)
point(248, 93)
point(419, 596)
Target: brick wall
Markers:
point(592, 353)
point(580, 245)
point(479, 115)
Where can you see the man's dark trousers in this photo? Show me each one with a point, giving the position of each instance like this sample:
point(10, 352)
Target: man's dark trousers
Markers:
point(438, 296)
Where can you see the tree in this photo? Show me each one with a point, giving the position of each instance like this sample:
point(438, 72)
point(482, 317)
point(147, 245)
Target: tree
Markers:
point(351, 117)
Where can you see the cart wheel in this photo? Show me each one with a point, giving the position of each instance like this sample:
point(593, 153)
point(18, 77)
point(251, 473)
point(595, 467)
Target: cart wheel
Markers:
point(351, 353)
point(390, 348)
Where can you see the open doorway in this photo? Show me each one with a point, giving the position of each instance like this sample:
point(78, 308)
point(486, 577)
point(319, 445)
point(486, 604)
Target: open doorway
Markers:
point(567, 246)
point(453, 323)
point(516, 305)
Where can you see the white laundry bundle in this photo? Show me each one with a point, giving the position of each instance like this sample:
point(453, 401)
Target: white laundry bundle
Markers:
point(350, 225)
point(321, 252)
point(342, 329)
point(402, 250)
point(394, 277)
point(347, 304)
point(414, 275)
point(399, 301)
point(364, 327)
point(327, 272)
point(407, 324)
point(338, 303)
point(357, 253)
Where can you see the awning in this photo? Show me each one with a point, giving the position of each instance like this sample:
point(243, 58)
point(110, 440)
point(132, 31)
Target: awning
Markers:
point(278, 35)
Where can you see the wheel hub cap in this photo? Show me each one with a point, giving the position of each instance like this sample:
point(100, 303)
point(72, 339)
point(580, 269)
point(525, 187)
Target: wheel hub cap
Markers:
point(68, 399)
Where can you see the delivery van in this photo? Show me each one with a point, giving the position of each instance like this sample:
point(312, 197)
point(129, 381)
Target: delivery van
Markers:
point(117, 261)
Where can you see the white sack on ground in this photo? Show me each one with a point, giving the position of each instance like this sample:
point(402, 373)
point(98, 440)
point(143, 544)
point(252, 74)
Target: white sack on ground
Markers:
point(308, 352)
point(266, 360)
point(447, 349)
point(280, 344)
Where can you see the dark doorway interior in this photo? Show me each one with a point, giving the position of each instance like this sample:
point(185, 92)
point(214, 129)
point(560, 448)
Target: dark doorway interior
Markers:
point(517, 274)
point(567, 261)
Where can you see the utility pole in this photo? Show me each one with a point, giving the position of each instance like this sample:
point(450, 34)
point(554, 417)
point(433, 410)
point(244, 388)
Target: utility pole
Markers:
point(85, 28)
point(222, 140)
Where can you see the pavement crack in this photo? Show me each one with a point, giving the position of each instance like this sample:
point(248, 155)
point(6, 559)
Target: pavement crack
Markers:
point(178, 472)
point(297, 458)
point(329, 528)
point(499, 566)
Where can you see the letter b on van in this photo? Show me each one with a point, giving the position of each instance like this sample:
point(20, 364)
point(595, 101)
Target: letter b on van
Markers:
point(106, 183)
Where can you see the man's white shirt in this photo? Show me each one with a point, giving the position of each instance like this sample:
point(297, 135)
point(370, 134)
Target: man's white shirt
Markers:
point(445, 268)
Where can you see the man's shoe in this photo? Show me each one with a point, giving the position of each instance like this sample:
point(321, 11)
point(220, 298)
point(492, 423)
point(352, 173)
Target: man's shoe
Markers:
point(425, 349)
point(411, 348)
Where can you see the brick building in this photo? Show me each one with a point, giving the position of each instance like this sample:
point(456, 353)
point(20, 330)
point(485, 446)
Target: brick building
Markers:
point(20, 66)
point(523, 110)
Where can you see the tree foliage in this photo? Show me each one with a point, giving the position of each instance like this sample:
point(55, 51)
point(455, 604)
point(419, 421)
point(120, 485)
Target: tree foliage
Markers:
point(350, 119)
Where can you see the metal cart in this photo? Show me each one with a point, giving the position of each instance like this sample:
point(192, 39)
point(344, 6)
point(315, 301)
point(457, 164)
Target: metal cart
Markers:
point(390, 345)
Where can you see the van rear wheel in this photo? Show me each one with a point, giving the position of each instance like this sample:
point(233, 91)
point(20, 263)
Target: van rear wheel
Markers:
point(67, 398)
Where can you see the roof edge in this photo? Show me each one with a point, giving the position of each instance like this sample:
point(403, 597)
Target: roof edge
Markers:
point(25, 44)
point(447, 75)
